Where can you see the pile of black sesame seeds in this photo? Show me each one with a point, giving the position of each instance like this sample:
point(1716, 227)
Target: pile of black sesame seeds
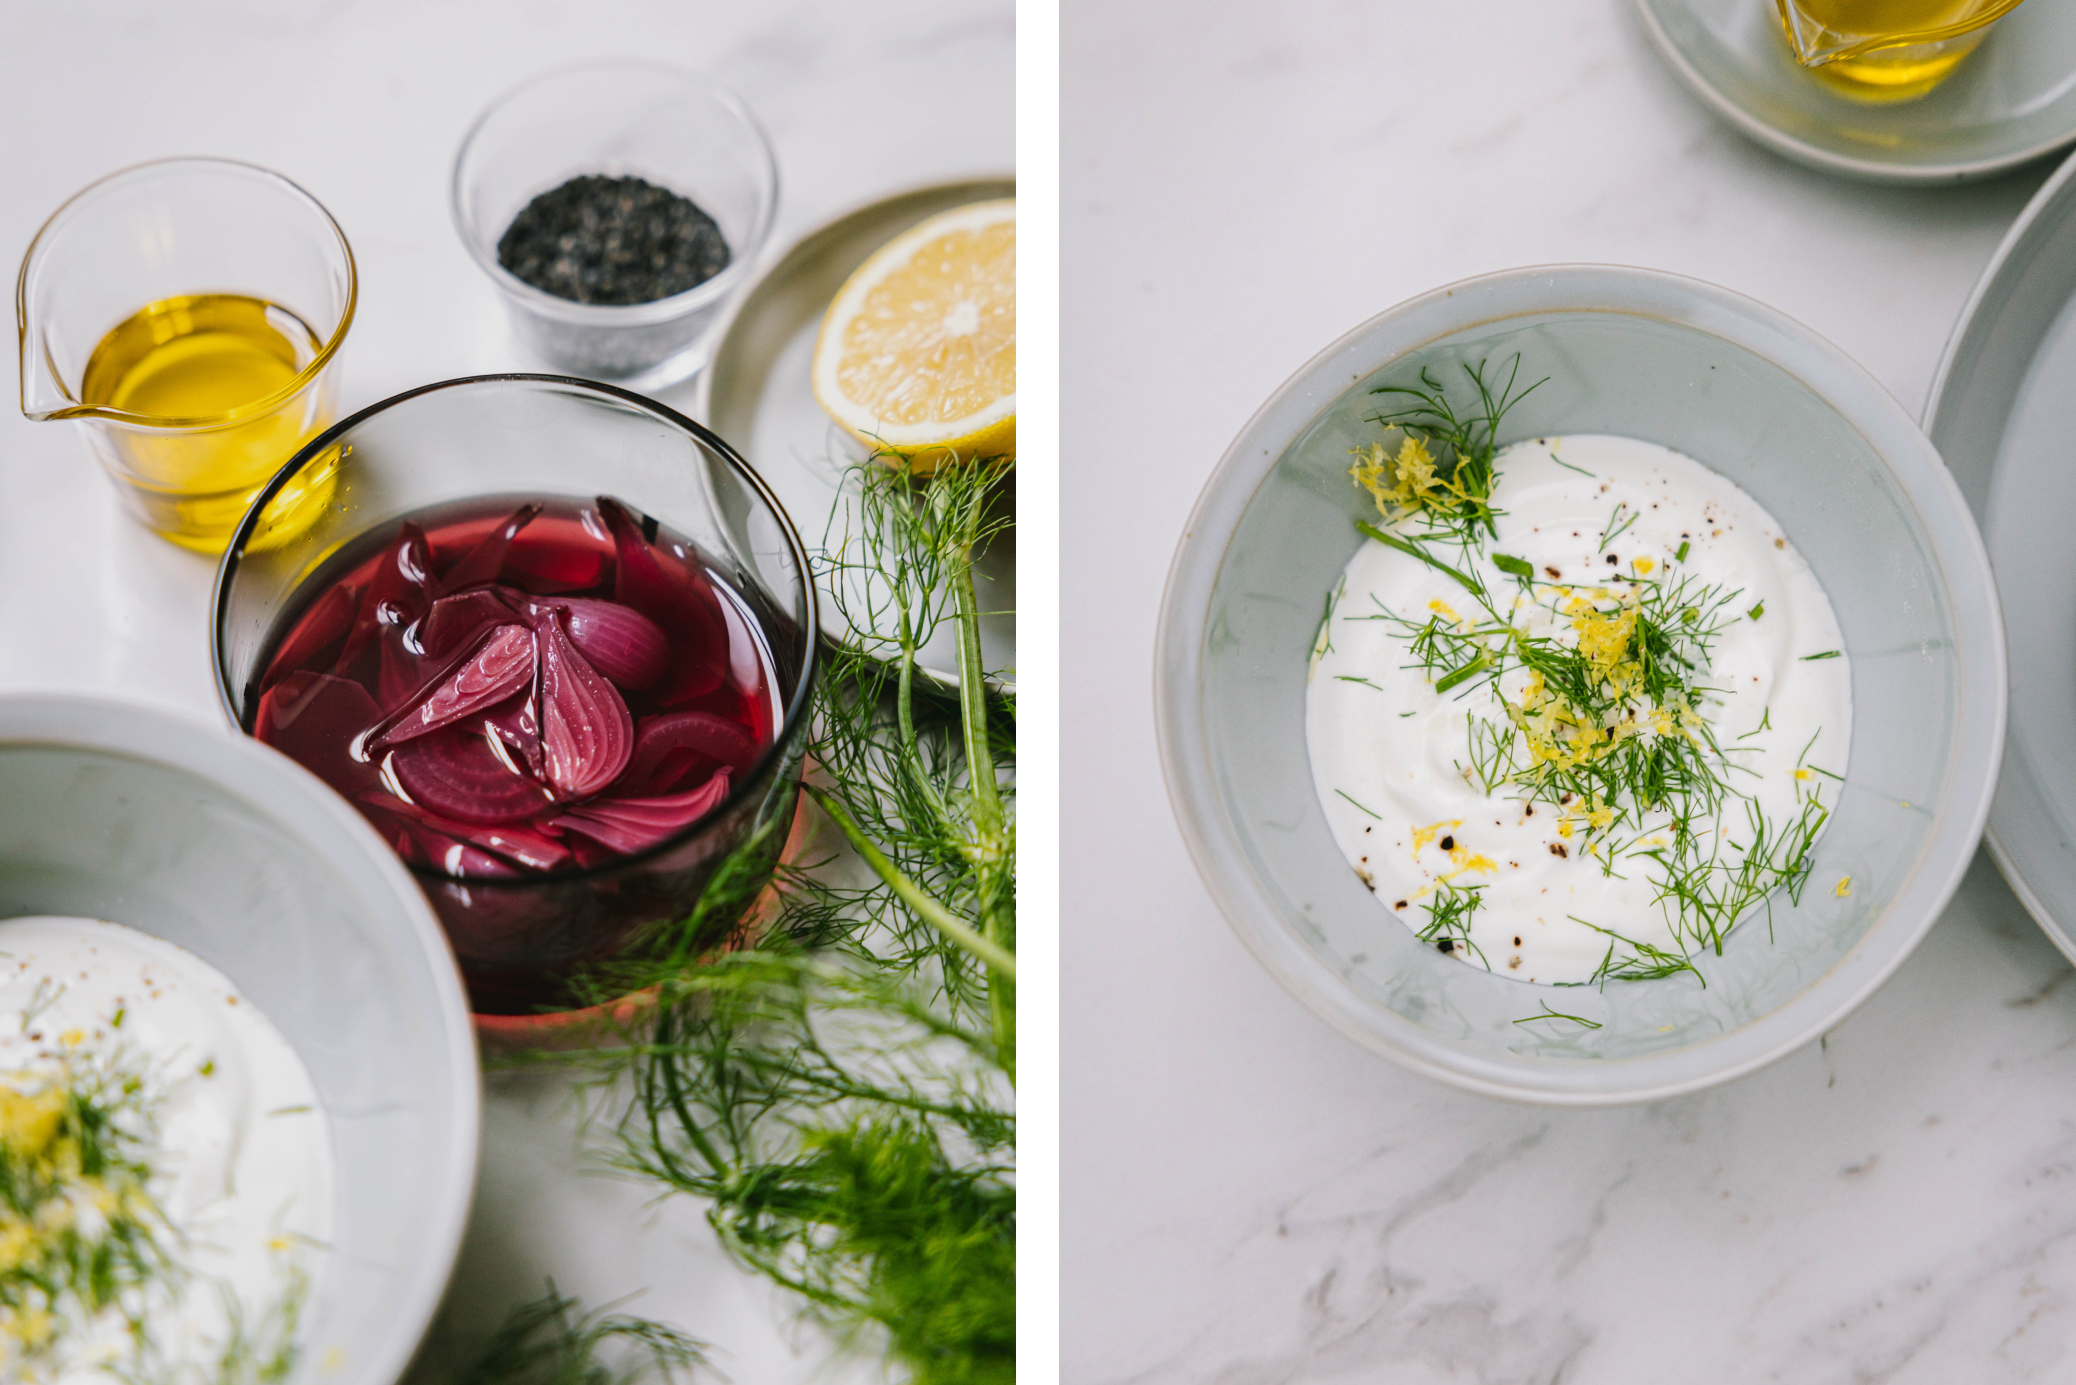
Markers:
point(612, 240)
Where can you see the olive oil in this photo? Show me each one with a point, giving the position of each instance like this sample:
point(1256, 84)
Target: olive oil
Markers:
point(1906, 67)
point(214, 388)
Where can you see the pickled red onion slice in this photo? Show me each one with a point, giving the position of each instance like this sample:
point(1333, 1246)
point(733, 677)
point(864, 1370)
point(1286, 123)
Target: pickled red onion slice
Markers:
point(457, 619)
point(515, 842)
point(500, 667)
point(677, 598)
point(586, 733)
point(619, 641)
point(400, 673)
point(456, 774)
point(423, 846)
point(396, 594)
point(635, 824)
point(666, 747)
point(518, 724)
point(486, 560)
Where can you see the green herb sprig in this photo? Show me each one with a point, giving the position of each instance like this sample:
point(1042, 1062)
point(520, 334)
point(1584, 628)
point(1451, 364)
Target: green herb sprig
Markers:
point(80, 1131)
point(1611, 736)
point(1459, 505)
point(1550, 1014)
point(841, 1094)
point(1450, 910)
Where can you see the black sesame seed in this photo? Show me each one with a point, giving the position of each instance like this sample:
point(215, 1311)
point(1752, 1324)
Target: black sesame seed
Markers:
point(1517, 942)
point(1448, 843)
point(1446, 945)
point(613, 240)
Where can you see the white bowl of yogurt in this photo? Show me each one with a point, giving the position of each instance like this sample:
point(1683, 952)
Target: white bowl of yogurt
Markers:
point(198, 935)
point(1488, 880)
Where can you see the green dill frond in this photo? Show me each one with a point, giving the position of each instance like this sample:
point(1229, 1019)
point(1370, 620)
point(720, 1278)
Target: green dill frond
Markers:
point(552, 1341)
point(839, 1088)
point(1642, 961)
point(1600, 715)
point(854, 1145)
point(79, 1134)
point(1549, 1014)
point(1459, 504)
point(1450, 910)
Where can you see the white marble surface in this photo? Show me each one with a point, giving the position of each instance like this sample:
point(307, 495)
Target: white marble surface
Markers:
point(363, 102)
point(1249, 1198)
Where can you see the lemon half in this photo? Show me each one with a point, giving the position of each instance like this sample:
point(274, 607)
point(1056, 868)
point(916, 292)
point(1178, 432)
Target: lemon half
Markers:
point(917, 353)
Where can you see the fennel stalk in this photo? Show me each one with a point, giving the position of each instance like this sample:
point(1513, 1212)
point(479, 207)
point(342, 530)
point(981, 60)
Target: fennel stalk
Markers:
point(842, 1092)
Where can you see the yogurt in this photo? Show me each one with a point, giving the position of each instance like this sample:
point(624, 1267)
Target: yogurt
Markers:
point(1395, 760)
point(239, 1147)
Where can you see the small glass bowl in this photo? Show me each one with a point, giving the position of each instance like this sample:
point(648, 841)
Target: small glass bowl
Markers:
point(618, 118)
point(158, 234)
point(519, 940)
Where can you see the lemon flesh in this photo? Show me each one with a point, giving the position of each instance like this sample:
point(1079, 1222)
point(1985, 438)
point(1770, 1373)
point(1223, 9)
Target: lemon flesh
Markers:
point(917, 353)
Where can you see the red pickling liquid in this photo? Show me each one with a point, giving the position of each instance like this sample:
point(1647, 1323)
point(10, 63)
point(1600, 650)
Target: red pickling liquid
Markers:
point(523, 687)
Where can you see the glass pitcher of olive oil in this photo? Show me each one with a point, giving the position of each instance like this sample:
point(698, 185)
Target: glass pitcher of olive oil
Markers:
point(189, 314)
point(1887, 50)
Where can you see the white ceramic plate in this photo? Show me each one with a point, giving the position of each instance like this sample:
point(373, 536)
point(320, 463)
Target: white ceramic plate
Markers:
point(2012, 100)
point(2003, 414)
point(756, 393)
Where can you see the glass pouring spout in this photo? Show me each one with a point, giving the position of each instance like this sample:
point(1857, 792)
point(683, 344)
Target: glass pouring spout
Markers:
point(1829, 31)
point(188, 313)
point(44, 394)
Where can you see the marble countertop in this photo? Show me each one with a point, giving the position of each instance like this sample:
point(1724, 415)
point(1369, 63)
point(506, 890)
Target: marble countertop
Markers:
point(364, 102)
point(1248, 1198)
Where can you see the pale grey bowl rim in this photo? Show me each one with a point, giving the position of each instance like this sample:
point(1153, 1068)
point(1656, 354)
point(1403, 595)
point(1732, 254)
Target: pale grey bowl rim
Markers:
point(1922, 479)
point(1826, 160)
point(2014, 255)
point(273, 783)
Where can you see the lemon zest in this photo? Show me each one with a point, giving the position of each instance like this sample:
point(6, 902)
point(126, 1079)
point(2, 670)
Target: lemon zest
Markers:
point(1423, 835)
point(1401, 484)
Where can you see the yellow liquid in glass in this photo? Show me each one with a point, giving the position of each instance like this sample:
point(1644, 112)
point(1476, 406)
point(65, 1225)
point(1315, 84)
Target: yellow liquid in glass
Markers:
point(1908, 68)
point(197, 368)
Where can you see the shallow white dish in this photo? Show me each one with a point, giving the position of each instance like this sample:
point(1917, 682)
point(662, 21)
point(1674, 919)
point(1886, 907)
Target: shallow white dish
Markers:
point(756, 393)
point(1744, 390)
point(2002, 411)
point(232, 851)
point(2011, 101)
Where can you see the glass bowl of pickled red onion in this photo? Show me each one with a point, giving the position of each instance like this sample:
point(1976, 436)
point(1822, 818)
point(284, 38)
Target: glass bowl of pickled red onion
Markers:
point(556, 643)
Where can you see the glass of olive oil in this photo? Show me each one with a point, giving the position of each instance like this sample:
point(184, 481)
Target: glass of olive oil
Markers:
point(189, 313)
point(1887, 50)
